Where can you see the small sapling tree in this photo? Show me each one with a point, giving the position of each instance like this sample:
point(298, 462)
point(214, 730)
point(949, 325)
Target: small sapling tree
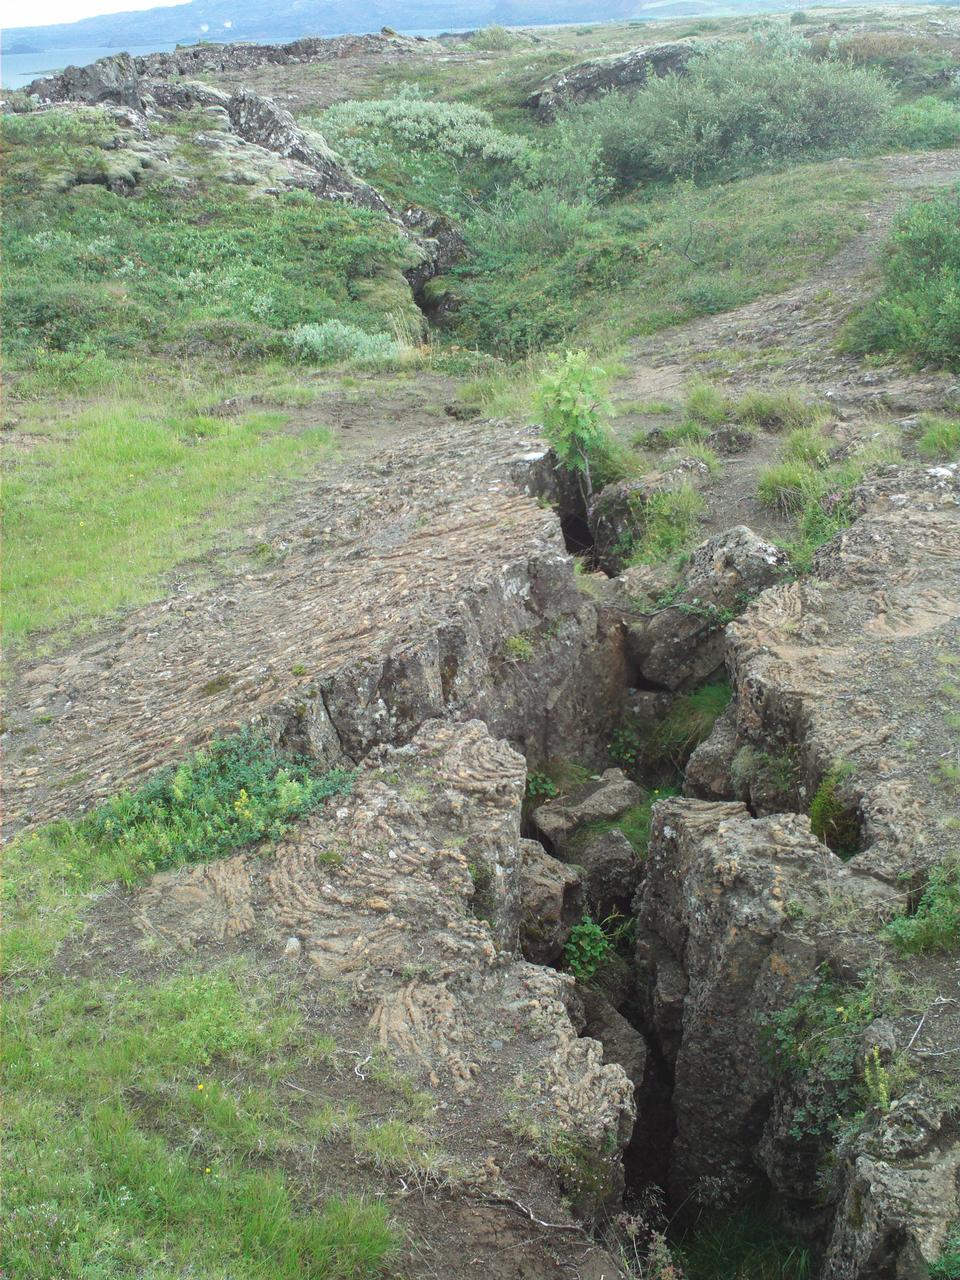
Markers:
point(571, 402)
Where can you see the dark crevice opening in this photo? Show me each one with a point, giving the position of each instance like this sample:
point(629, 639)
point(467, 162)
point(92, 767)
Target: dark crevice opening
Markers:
point(577, 536)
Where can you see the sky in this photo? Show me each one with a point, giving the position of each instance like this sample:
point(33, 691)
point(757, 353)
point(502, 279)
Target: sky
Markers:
point(39, 13)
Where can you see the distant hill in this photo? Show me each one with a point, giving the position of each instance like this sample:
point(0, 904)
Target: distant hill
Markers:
point(251, 20)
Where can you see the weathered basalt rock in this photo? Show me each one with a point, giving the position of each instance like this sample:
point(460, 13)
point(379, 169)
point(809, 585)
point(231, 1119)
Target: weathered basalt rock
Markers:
point(730, 928)
point(406, 898)
point(680, 645)
point(262, 121)
point(551, 894)
point(113, 79)
point(600, 75)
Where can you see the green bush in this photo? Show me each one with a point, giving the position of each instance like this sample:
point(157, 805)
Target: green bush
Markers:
point(493, 38)
point(334, 342)
point(917, 312)
point(741, 106)
point(586, 949)
point(935, 925)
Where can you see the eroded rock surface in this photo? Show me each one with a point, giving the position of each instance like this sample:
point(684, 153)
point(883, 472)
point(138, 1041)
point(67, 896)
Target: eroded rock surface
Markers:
point(681, 644)
point(602, 800)
point(392, 602)
point(847, 666)
point(405, 896)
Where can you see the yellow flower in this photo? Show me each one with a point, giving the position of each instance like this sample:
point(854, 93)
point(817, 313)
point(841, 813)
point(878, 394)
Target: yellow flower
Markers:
point(199, 1086)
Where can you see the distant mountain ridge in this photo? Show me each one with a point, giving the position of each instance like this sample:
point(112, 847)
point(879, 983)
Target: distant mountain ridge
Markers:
point(220, 20)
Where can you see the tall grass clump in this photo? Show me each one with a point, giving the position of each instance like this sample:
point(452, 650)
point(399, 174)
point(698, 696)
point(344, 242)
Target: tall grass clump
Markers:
point(917, 311)
point(741, 107)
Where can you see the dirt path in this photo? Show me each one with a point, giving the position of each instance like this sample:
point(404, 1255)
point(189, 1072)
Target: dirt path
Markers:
point(788, 341)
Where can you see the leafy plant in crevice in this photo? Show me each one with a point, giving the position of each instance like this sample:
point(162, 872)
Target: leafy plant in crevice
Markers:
point(935, 924)
point(666, 747)
point(586, 948)
point(814, 1045)
point(833, 816)
point(574, 407)
point(947, 1265)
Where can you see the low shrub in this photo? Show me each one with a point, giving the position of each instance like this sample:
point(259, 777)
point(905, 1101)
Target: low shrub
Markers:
point(572, 402)
point(335, 342)
point(741, 106)
point(492, 39)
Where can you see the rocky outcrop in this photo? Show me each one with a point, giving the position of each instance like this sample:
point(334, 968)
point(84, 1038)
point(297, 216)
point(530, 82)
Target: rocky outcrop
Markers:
point(262, 121)
point(682, 643)
point(113, 79)
point(406, 899)
point(207, 58)
point(397, 595)
point(900, 1195)
point(629, 70)
point(611, 873)
point(819, 669)
point(731, 927)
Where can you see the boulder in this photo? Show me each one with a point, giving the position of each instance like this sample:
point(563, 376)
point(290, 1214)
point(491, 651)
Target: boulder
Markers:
point(601, 800)
point(551, 898)
point(682, 644)
point(611, 873)
point(629, 70)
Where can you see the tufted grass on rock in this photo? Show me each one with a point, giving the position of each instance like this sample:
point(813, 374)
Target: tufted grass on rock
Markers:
point(788, 486)
point(670, 522)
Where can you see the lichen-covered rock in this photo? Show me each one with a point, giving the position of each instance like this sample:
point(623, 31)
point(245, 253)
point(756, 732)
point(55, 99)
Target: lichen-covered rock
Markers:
point(628, 70)
point(551, 897)
point(680, 645)
point(262, 121)
point(900, 1197)
point(601, 800)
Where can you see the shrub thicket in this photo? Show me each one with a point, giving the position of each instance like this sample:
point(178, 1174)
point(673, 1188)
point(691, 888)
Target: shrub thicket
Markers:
point(742, 107)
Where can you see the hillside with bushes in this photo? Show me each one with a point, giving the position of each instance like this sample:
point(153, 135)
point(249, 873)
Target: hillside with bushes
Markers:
point(482, 519)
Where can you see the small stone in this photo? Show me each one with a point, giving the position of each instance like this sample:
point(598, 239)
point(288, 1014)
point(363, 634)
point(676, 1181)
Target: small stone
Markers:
point(293, 949)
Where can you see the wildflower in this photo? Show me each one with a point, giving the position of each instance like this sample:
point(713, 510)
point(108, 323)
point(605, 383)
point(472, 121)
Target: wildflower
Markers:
point(200, 1087)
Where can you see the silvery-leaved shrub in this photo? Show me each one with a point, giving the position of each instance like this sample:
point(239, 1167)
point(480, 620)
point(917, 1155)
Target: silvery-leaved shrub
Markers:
point(335, 342)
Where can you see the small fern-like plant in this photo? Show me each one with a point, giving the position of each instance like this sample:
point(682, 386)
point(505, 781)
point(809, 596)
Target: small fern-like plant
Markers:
point(574, 408)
